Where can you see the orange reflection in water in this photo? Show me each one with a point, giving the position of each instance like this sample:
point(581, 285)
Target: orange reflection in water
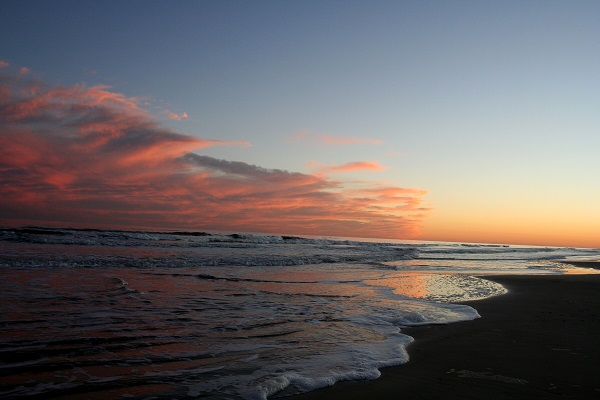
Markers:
point(415, 285)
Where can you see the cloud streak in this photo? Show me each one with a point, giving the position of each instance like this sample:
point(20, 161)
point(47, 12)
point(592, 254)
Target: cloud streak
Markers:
point(371, 166)
point(306, 136)
point(87, 156)
point(174, 116)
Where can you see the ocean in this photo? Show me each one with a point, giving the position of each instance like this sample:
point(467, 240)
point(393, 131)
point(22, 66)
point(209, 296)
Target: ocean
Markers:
point(99, 314)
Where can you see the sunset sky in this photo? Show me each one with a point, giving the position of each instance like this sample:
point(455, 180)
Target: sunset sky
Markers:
point(470, 121)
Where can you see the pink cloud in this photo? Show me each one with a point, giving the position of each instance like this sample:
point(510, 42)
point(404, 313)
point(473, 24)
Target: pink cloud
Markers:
point(332, 139)
point(329, 139)
point(87, 156)
point(373, 166)
point(4, 64)
point(175, 116)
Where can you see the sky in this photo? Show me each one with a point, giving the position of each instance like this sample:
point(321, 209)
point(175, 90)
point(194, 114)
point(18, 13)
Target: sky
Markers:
point(467, 121)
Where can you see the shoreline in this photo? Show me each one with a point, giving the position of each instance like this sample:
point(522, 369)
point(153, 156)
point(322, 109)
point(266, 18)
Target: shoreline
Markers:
point(538, 341)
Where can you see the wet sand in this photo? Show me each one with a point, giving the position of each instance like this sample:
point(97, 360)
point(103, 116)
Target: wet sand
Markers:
point(539, 341)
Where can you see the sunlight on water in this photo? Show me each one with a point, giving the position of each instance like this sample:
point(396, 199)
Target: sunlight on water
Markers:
point(97, 314)
point(441, 287)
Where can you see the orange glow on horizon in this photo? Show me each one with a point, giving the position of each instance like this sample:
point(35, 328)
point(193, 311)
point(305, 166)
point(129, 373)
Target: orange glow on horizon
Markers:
point(568, 231)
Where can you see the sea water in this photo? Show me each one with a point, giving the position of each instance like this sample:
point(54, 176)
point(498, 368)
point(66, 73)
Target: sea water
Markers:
point(117, 314)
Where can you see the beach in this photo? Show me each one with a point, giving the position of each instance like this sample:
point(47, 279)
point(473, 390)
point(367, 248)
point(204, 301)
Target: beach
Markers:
point(539, 341)
point(140, 314)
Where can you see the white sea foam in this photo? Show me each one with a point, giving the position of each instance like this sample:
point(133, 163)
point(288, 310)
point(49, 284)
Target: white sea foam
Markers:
point(229, 315)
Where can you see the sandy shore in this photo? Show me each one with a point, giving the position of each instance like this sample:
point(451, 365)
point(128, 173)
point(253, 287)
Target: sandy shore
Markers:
point(539, 341)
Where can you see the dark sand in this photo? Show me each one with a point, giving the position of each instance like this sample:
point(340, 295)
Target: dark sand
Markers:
point(539, 341)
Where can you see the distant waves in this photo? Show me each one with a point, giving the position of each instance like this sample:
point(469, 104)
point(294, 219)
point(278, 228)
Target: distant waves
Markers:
point(135, 314)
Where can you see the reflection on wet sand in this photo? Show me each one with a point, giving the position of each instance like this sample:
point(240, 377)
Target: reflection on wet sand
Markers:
point(440, 287)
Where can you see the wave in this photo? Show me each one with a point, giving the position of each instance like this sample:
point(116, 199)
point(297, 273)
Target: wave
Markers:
point(179, 313)
point(149, 238)
point(92, 248)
